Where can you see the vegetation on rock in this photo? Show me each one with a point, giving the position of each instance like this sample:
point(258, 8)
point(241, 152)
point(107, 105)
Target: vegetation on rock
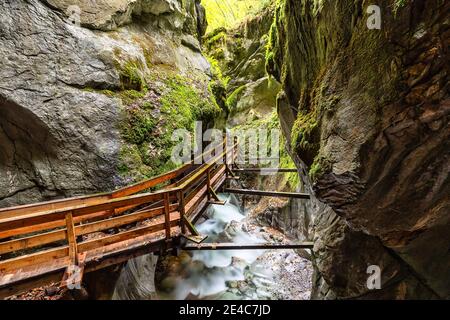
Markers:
point(229, 13)
point(150, 119)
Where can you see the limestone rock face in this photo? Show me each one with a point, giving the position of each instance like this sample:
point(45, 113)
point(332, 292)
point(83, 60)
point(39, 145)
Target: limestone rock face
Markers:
point(137, 279)
point(59, 133)
point(240, 54)
point(366, 112)
point(55, 138)
point(108, 15)
point(103, 14)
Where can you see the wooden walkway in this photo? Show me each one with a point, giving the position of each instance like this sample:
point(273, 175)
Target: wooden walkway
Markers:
point(59, 241)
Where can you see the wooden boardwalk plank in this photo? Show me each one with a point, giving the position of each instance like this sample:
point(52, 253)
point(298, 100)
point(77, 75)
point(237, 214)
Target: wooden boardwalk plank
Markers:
point(158, 224)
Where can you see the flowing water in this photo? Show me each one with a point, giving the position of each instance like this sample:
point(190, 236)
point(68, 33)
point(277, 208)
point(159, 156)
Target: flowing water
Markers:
point(221, 274)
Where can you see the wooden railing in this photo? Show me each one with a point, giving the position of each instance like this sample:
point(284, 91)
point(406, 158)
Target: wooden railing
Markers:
point(41, 237)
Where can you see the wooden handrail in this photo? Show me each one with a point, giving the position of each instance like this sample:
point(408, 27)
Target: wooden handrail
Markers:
point(47, 223)
point(52, 215)
point(60, 234)
point(97, 198)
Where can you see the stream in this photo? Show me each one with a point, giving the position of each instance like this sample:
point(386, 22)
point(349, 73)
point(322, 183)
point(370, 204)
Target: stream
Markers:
point(229, 274)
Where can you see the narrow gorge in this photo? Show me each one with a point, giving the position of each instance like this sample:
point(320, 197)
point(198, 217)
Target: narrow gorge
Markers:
point(93, 92)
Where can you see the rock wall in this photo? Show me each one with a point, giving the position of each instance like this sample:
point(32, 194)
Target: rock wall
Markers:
point(250, 95)
point(137, 279)
point(238, 55)
point(64, 89)
point(366, 115)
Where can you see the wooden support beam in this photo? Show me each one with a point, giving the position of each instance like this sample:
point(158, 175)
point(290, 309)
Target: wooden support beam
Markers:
point(152, 182)
point(230, 172)
point(195, 239)
point(208, 183)
point(34, 220)
point(58, 235)
point(218, 203)
point(32, 241)
point(182, 210)
point(20, 283)
point(46, 256)
point(192, 229)
point(214, 195)
point(294, 195)
point(71, 238)
point(167, 215)
point(258, 246)
point(73, 276)
point(126, 235)
point(46, 223)
point(268, 170)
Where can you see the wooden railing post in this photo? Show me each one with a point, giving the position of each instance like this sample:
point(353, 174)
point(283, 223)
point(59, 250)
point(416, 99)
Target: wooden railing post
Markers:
point(208, 183)
point(182, 211)
point(225, 157)
point(167, 215)
point(235, 146)
point(71, 239)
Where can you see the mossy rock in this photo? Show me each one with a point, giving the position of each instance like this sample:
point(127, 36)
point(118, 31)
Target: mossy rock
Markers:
point(234, 97)
point(305, 136)
point(138, 125)
point(132, 75)
point(319, 167)
point(149, 120)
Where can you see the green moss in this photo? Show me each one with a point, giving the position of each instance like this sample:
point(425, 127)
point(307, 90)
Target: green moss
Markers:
point(217, 39)
point(117, 51)
point(215, 32)
point(398, 4)
point(231, 12)
point(150, 132)
point(292, 180)
point(218, 54)
point(138, 125)
point(130, 162)
point(273, 43)
point(131, 75)
point(148, 120)
point(129, 96)
point(184, 104)
point(233, 98)
point(218, 91)
point(319, 167)
point(148, 57)
point(217, 71)
point(304, 133)
point(108, 93)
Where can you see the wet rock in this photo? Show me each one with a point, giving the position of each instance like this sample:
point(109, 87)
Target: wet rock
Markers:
point(240, 53)
point(362, 103)
point(51, 291)
point(168, 284)
point(232, 284)
point(137, 279)
point(108, 15)
point(59, 132)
